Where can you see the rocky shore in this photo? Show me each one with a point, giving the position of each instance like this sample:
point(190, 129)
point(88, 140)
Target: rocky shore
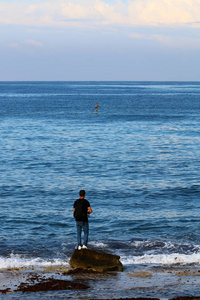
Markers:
point(93, 282)
point(58, 278)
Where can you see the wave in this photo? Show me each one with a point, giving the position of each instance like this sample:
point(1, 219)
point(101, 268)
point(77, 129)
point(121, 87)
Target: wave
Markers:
point(163, 259)
point(165, 246)
point(153, 252)
point(142, 247)
point(142, 252)
point(16, 261)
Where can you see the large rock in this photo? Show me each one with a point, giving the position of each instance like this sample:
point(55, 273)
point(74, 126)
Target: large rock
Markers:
point(95, 260)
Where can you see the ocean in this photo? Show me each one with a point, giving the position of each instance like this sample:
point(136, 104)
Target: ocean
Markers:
point(138, 158)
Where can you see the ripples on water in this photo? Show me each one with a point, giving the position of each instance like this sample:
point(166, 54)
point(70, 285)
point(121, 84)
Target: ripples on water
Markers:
point(138, 160)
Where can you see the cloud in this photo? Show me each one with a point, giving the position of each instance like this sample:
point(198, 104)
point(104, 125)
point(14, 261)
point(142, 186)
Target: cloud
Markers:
point(33, 43)
point(27, 46)
point(136, 35)
point(166, 12)
point(14, 45)
point(165, 40)
point(92, 13)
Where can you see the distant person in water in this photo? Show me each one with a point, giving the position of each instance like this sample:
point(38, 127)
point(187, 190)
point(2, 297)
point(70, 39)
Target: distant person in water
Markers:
point(81, 211)
point(96, 107)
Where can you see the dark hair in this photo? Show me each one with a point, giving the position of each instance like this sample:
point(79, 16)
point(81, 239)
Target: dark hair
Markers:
point(82, 193)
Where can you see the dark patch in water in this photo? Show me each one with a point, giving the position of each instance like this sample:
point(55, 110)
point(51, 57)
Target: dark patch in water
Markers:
point(51, 284)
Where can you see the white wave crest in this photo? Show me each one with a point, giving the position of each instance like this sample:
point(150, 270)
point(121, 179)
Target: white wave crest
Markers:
point(17, 261)
point(99, 244)
point(164, 259)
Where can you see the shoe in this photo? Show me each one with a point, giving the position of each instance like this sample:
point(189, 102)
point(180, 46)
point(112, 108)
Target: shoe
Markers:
point(84, 247)
point(79, 247)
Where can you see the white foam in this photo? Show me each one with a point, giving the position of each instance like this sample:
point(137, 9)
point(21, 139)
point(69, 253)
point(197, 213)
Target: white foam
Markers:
point(100, 245)
point(164, 259)
point(17, 261)
point(146, 243)
point(165, 245)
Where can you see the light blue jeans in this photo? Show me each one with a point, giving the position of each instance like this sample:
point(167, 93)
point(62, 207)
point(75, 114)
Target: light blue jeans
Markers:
point(85, 227)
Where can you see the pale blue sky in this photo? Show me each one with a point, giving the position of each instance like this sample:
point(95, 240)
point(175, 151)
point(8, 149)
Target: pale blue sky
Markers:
point(100, 40)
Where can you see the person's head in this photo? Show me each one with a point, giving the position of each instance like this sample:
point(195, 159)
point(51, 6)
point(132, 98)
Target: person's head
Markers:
point(82, 193)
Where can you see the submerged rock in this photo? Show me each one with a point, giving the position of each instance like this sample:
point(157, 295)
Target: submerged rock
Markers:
point(51, 284)
point(95, 260)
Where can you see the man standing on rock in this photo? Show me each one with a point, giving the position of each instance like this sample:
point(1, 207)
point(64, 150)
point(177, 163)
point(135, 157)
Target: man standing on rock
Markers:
point(81, 211)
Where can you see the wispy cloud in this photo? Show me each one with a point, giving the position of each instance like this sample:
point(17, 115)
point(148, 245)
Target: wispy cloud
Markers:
point(100, 13)
point(27, 46)
point(14, 45)
point(33, 43)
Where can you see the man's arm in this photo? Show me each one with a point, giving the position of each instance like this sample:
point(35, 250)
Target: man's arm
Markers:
point(89, 210)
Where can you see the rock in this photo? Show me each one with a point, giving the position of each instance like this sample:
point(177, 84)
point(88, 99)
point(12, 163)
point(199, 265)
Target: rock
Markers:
point(95, 260)
point(5, 291)
point(79, 271)
point(51, 285)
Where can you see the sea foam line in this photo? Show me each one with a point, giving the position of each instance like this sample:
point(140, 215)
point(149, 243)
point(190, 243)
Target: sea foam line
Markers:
point(164, 259)
point(16, 261)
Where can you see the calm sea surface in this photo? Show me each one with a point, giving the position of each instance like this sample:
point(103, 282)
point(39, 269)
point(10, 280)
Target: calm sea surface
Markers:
point(138, 159)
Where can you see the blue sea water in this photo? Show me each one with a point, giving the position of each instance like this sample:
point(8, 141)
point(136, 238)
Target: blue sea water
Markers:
point(138, 159)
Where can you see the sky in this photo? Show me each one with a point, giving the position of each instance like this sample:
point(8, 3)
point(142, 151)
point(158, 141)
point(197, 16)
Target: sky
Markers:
point(64, 40)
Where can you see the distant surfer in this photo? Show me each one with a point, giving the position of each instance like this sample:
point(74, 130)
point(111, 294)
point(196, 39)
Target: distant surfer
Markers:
point(96, 107)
